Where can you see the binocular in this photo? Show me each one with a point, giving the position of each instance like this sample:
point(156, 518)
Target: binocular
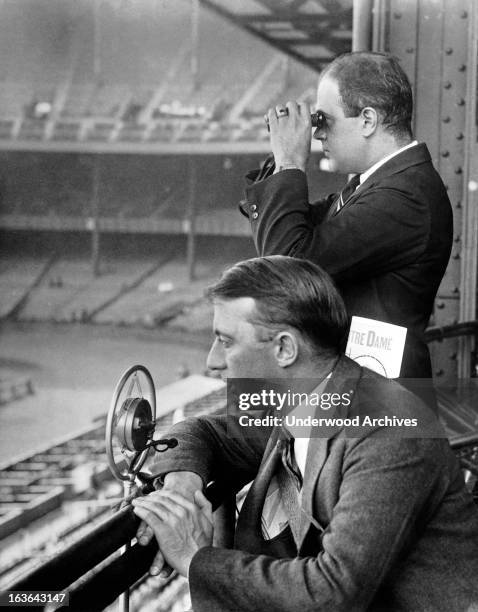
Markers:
point(317, 119)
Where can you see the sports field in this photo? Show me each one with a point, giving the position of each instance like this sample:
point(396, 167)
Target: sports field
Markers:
point(74, 369)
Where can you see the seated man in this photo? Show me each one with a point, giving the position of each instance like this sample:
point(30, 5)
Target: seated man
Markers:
point(374, 521)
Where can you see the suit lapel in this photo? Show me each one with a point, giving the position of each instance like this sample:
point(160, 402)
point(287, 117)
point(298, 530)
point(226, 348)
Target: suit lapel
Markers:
point(316, 456)
point(344, 379)
point(418, 154)
point(332, 210)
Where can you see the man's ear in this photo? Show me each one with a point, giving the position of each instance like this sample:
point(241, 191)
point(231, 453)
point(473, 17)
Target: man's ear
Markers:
point(369, 120)
point(286, 348)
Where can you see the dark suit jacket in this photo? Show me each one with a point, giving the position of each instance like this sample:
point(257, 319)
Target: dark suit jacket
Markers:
point(393, 527)
point(387, 248)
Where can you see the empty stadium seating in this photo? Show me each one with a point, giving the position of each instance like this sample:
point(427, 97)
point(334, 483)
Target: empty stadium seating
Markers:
point(116, 77)
point(76, 82)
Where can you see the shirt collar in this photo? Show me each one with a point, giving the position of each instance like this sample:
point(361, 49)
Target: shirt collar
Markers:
point(365, 175)
point(303, 409)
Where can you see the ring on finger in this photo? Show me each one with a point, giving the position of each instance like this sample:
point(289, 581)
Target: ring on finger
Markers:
point(282, 112)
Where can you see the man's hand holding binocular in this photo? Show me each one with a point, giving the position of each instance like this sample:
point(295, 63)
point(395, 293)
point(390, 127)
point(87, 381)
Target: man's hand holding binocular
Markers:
point(290, 135)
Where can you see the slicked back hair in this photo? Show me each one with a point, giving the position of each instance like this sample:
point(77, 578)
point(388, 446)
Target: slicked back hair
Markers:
point(376, 80)
point(289, 292)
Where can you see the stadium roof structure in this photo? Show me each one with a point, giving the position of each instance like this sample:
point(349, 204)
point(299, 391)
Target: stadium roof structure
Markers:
point(311, 31)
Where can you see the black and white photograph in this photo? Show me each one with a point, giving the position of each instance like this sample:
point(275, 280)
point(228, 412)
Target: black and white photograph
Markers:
point(238, 305)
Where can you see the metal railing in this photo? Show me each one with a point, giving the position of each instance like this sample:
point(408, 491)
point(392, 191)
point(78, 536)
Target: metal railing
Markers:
point(466, 328)
point(93, 571)
point(73, 569)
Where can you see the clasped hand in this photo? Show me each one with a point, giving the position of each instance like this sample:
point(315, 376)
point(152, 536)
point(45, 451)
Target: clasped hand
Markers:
point(290, 134)
point(181, 527)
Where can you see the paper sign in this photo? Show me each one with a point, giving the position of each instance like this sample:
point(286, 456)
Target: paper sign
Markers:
point(377, 345)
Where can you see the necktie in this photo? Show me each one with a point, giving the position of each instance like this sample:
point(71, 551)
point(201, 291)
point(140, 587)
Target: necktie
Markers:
point(290, 484)
point(288, 460)
point(347, 191)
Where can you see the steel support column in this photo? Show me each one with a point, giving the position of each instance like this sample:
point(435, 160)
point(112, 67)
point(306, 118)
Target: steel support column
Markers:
point(469, 260)
point(428, 36)
point(362, 19)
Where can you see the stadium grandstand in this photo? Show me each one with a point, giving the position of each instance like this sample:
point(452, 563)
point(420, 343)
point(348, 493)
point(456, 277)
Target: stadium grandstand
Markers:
point(149, 72)
point(87, 87)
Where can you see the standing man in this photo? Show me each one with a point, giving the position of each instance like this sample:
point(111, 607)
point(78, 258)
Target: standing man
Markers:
point(336, 520)
point(386, 239)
